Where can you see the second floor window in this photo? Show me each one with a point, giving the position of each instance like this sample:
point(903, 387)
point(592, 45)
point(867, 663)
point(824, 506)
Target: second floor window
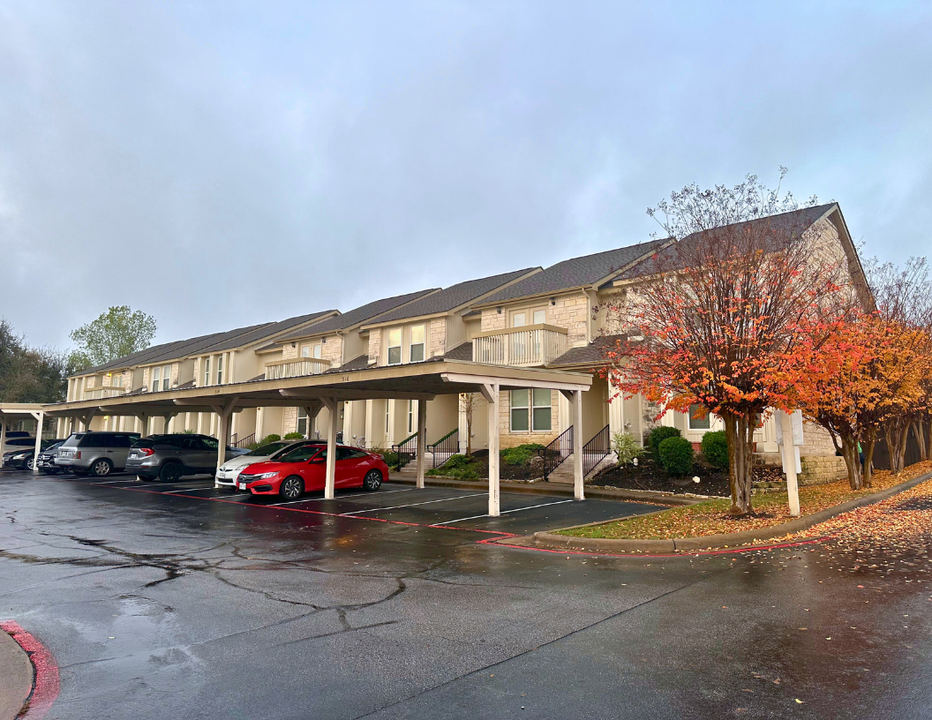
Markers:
point(417, 344)
point(117, 380)
point(166, 377)
point(156, 379)
point(207, 371)
point(220, 370)
point(394, 346)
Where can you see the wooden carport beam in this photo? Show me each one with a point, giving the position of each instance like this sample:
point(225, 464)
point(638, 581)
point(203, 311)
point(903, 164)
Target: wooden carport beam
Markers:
point(40, 417)
point(355, 394)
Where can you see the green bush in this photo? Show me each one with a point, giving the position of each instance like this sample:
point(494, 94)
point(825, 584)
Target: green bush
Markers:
point(458, 466)
point(269, 439)
point(658, 435)
point(391, 459)
point(626, 447)
point(294, 436)
point(675, 454)
point(715, 448)
point(457, 461)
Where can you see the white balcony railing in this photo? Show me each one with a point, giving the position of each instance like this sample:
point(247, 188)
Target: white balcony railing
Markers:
point(298, 367)
point(525, 346)
point(103, 392)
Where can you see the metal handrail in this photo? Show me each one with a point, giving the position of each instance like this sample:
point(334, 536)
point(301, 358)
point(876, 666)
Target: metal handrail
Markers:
point(596, 450)
point(557, 451)
point(245, 441)
point(406, 450)
point(445, 448)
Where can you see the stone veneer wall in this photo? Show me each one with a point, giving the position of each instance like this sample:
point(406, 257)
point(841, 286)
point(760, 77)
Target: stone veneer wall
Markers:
point(820, 469)
point(375, 345)
point(508, 439)
point(437, 342)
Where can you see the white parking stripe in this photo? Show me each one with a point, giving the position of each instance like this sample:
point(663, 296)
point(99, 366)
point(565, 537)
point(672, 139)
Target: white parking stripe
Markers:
point(476, 517)
point(397, 507)
point(341, 497)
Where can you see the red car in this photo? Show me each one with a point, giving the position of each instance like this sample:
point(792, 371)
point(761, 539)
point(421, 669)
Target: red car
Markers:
point(304, 469)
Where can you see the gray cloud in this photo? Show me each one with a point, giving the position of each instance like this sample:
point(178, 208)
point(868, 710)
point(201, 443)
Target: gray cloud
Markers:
point(220, 164)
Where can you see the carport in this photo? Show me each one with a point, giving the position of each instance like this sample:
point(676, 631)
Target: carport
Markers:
point(18, 411)
point(417, 381)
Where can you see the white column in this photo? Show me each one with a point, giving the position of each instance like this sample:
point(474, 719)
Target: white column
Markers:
point(576, 402)
point(390, 434)
point(421, 440)
point(789, 461)
point(491, 393)
point(40, 421)
point(370, 424)
point(223, 435)
point(2, 437)
point(330, 483)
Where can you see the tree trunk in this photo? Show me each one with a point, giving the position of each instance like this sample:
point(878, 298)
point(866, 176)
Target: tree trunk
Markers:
point(868, 447)
point(739, 432)
point(920, 431)
point(896, 432)
point(849, 451)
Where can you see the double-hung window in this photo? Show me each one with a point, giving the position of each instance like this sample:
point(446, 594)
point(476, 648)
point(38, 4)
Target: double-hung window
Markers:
point(410, 416)
point(117, 380)
point(394, 346)
point(206, 371)
point(156, 379)
point(302, 422)
point(530, 410)
point(416, 353)
point(220, 369)
point(699, 418)
point(166, 377)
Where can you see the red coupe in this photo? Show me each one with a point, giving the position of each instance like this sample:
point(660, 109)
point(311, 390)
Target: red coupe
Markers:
point(304, 469)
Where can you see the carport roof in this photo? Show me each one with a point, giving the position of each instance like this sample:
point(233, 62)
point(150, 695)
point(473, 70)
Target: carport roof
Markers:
point(423, 380)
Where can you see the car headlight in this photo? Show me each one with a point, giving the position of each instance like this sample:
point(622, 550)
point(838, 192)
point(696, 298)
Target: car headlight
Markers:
point(265, 476)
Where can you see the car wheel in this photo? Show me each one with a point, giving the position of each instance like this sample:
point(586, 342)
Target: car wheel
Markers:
point(291, 488)
point(373, 480)
point(143, 478)
point(170, 472)
point(30, 463)
point(101, 468)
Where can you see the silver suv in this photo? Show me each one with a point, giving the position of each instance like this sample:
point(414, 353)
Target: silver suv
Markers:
point(169, 457)
point(97, 453)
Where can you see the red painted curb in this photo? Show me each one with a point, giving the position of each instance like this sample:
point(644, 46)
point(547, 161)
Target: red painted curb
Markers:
point(45, 685)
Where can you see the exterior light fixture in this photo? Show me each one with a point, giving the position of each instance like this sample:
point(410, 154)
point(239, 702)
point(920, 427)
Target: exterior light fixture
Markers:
point(553, 301)
point(498, 310)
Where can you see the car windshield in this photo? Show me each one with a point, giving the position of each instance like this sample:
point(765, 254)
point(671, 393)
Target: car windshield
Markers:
point(299, 454)
point(267, 450)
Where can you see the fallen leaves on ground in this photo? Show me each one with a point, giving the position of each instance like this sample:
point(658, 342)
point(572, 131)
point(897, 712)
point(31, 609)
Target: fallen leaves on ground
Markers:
point(711, 517)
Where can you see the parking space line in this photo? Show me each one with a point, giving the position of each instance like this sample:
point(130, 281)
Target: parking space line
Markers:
point(343, 497)
point(504, 512)
point(398, 507)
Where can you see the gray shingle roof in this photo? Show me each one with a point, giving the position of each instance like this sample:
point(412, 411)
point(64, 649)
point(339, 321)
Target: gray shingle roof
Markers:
point(591, 355)
point(359, 315)
point(454, 296)
point(575, 272)
point(264, 331)
point(462, 351)
point(360, 362)
point(779, 230)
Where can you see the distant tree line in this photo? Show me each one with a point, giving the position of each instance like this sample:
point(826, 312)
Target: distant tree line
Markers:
point(30, 375)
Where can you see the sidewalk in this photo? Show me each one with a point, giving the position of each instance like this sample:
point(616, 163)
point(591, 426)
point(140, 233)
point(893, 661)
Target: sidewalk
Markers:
point(16, 671)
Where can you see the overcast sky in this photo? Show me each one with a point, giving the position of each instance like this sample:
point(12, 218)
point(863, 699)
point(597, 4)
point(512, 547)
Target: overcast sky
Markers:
point(223, 164)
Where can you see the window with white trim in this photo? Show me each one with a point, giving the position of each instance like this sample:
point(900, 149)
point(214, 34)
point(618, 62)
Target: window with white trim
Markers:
point(394, 346)
point(220, 369)
point(416, 350)
point(117, 380)
point(699, 418)
point(317, 349)
point(166, 377)
point(410, 416)
point(302, 422)
point(156, 378)
point(305, 352)
point(206, 371)
point(530, 410)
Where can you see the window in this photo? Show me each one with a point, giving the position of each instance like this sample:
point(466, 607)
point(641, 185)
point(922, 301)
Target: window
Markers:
point(317, 350)
point(519, 319)
point(394, 346)
point(410, 416)
point(417, 344)
point(386, 417)
point(699, 418)
point(302, 422)
point(540, 317)
point(207, 371)
point(305, 351)
point(117, 380)
point(220, 369)
point(530, 410)
point(166, 377)
point(156, 379)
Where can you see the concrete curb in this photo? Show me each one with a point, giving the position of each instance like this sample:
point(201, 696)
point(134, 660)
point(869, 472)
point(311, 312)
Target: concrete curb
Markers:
point(543, 488)
point(551, 540)
point(17, 673)
point(44, 681)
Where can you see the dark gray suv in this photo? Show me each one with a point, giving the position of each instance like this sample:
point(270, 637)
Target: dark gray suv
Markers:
point(97, 453)
point(170, 457)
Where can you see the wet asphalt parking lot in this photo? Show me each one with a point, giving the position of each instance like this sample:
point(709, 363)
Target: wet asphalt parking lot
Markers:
point(184, 602)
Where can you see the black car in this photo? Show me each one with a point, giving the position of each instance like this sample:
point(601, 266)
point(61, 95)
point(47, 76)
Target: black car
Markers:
point(21, 458)
point(47, 459)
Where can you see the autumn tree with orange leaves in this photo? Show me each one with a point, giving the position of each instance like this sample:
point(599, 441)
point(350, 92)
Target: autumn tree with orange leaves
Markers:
point(742, 285)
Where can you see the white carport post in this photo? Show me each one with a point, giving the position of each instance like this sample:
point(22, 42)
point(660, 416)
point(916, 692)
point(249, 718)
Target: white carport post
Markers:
point(2, 437)
point(330, 482)
point(421, 440)
point(144, 421)
point(40, 421)
point(575, 398)
point(491, 394)
point(224, 411)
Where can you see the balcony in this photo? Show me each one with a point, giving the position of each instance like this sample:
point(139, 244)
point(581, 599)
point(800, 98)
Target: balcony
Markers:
point(299, 367)
point(103, 392)
point(529, 346)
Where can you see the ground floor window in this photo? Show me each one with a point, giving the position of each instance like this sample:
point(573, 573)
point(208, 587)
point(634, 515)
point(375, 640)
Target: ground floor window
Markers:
point(699, 418)
point(302, 422)
point(410, 416)
point(530, 410)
